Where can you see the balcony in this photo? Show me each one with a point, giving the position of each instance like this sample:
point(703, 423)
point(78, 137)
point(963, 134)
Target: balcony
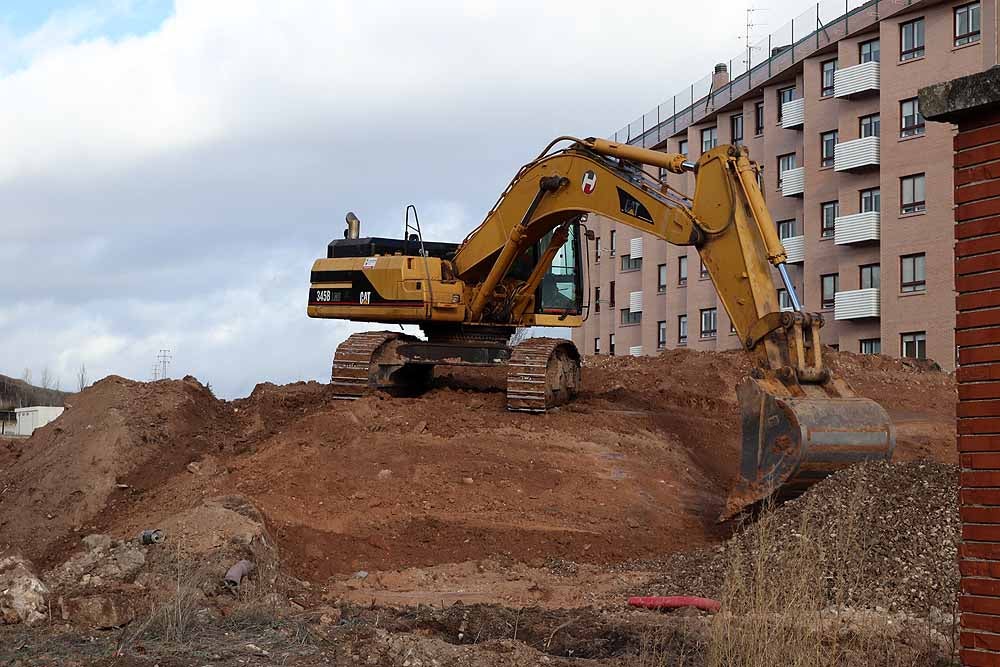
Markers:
point(856, 80)
point(793, 182)
point(793, 114)
point(856, 304)
point(795, 249)
point(857, 228)
point(856, 155)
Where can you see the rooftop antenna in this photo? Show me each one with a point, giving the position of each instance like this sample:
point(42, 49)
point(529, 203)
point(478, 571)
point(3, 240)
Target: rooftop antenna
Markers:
point(748, 35)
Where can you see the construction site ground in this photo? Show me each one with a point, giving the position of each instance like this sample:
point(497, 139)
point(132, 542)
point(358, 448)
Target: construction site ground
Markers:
point(437, 529)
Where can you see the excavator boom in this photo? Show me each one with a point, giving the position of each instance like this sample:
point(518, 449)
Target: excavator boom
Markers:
point(799, 422)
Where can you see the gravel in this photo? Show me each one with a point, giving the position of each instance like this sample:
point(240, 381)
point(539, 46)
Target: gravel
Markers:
point(885, 537)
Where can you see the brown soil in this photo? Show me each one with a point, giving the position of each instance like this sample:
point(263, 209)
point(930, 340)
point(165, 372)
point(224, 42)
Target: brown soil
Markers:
point(637, 468)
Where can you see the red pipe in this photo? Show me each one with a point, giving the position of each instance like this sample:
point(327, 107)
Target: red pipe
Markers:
point(675, 602)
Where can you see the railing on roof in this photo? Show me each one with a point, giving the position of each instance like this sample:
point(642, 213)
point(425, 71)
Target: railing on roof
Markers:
point(826, 23)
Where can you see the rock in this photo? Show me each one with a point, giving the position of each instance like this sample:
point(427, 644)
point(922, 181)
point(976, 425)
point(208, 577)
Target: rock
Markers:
point(97, 541)
point(22, 594)
point(329, 615)
point(420, 428)
point(468, 480)
point(104, 562)
point(384, 474)
point(361, 574)
point(97, 611)
point(194, 468)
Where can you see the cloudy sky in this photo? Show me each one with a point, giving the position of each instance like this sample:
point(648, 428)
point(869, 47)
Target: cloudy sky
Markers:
point(169, 170)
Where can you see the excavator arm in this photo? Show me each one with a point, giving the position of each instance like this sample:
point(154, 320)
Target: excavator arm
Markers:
point(799, 422)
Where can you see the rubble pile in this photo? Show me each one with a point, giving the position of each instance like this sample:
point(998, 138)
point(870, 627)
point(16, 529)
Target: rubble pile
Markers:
point(886, 535)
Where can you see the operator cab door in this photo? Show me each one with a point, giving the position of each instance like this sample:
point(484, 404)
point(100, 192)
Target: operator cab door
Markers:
point(561, 289)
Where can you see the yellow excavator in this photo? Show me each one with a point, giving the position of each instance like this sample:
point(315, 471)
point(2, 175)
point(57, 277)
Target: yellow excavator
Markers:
point(522, 267)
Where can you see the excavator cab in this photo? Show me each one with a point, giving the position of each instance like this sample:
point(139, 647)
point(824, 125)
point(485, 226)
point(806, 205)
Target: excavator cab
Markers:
point(561, 289)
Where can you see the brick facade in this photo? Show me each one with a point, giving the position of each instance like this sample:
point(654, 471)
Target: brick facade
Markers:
point(977, 335)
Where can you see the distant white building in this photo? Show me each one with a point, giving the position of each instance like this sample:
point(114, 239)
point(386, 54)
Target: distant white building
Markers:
point(28, 419)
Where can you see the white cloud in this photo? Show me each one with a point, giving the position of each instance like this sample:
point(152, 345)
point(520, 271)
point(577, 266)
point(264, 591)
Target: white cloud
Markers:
point(172, 189)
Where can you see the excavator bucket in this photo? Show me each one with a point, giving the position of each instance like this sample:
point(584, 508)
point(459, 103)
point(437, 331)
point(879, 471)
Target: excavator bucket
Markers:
point(790, 443)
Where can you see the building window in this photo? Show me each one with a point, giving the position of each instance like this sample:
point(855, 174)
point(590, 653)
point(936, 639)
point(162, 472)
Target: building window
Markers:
point(830, 284)
point(785, 162)
point(611, 345)
point(911, 39)
point(785, 95)
point(967, 24)
point(661, 278)
point(758, 118)
point(629, 317)
point(869, 51)
point(709, 322)
point(709, 138)
point(911, 194)
point(827, 70)
point(702, 270)
point(682, 147)
point(597, 299)
point(661, 334)
point(871, 200)
point(597, 250)
point(828, 212)
point(784, 299)
point(870, 125)
point(870, 346)
point(914, 345)
point(912, 273)
point(870, 276)
point(911, 121)
point(611, 290)
point(786, 229)
point(630, 264)
point(614, 242)
point(682, 329)
point(597, 346)
point(682, 270)
point(827, 145)
point(736, 127)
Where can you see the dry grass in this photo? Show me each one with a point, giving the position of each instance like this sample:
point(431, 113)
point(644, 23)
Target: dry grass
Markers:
point(788, 606)
point(787, 602)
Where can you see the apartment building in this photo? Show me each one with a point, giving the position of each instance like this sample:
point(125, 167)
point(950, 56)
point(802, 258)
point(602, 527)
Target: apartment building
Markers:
point(858, 185)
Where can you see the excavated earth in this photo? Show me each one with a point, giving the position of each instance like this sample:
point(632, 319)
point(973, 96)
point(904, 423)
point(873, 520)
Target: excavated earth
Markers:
point(391, 503)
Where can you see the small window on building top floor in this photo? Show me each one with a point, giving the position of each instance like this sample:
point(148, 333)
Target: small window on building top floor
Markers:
point(785, 95)
point(869, 51)
point(709, 138)
point(827, 71)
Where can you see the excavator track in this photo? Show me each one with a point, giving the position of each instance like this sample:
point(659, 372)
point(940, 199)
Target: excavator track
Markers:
point(542, 373)
point(364, 362)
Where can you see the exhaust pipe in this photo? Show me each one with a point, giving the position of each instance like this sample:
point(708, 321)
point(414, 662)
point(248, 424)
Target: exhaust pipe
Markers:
point(353, 230)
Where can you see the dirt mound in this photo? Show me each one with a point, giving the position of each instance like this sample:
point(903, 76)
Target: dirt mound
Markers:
point(638, 467)
point(117, 441)
point(886, 534)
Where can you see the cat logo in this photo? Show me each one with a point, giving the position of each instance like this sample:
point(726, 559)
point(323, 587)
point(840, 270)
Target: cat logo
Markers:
point(589, 182)
point(365, 298)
